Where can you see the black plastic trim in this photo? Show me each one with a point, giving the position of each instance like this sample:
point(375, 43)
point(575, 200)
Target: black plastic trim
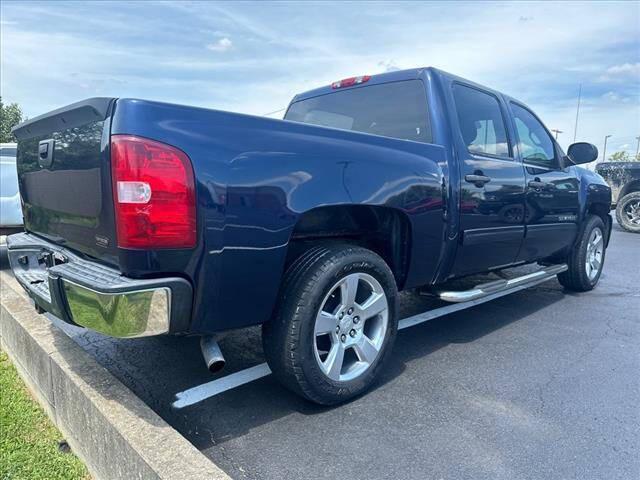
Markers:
point(481, 236)
point(79, 113)
point(552, 227)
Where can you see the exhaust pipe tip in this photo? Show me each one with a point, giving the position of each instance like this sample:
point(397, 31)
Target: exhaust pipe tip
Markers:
point(212, 354)
point(216, 366)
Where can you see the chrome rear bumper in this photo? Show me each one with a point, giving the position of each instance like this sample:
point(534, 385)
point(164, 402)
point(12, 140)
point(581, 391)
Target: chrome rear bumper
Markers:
point(88, 294)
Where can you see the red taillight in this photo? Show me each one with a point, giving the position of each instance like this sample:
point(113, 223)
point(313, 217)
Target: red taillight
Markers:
point(348, 82)
point(154, 194)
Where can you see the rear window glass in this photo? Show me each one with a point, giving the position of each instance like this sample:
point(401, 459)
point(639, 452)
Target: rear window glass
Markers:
point(397, 110)
point(8, 151)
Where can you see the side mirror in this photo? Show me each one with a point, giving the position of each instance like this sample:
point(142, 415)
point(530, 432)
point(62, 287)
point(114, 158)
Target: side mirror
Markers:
point(582, 152)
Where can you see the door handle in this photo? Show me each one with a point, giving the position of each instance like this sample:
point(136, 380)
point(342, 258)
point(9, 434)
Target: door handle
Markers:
point(538, 185)
point(477, 180)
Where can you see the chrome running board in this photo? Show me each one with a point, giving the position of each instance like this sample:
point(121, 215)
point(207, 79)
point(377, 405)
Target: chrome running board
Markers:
point(490, 288)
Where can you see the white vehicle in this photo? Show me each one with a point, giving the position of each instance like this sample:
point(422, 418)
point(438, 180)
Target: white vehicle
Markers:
point(10, 209)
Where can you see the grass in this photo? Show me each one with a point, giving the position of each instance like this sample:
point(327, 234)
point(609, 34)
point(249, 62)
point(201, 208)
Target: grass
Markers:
point(28, 440)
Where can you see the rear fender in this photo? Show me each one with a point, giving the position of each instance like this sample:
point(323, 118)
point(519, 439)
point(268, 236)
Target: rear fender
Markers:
point(268, 192)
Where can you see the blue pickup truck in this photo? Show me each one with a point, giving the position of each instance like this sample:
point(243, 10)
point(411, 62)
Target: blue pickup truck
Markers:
point(146, 218)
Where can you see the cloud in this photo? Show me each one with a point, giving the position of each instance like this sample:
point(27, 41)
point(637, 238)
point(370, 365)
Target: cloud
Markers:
point(616, 97)
point(388, 66)
point(288, 48)
point(625, 69)
point(222, 45)
point(621, 73)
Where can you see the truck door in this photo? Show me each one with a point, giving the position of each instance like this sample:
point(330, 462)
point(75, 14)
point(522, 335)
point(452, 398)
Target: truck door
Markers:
point(552, 191)
point(492, 183)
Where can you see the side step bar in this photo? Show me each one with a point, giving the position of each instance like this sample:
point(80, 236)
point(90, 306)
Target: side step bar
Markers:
point(486, 289)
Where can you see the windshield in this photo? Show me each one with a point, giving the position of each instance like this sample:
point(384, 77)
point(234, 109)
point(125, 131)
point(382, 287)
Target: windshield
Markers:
point(397, 110)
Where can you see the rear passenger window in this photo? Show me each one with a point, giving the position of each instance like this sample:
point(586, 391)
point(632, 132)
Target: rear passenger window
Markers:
point(534, 142)
point(481, 121)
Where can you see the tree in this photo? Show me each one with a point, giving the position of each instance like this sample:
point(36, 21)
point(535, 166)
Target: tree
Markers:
point(10, 116)
point(621, 156)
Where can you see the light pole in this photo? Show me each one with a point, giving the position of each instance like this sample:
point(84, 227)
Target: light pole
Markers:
point(556, 131)
point(604, 152)
point(575, 130)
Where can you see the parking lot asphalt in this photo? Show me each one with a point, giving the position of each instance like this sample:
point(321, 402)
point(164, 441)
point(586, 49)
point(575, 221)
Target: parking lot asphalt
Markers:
point(540, 384)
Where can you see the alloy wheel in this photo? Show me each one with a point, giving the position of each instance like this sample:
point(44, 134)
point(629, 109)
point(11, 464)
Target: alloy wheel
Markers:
point(632, 212)
point(350, 327)
point(595, 251)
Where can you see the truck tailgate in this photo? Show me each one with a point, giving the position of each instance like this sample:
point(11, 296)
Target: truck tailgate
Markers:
point(64, 176)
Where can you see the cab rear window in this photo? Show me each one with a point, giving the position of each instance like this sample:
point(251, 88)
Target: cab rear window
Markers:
point(396, 110)
point(8, 151)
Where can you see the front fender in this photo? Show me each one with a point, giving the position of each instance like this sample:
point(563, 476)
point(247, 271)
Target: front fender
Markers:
point(595, 197)
point(593, 191)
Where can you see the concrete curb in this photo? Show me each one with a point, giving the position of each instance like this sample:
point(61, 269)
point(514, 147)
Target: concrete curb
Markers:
point(116, 434)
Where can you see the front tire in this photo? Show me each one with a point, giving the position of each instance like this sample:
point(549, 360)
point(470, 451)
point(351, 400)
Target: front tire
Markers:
point(335, 324)
point(628, 212)
point(586, 259)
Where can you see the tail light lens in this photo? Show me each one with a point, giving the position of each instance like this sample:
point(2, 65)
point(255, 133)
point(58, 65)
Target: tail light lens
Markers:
point(350, 82)
point(154, 194)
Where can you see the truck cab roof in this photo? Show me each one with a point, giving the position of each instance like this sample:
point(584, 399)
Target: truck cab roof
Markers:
point(395, 76)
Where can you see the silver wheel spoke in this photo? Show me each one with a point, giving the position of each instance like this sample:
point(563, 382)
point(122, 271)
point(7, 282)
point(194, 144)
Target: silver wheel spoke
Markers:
point(375, 304)
point(333, 363)
point(366, 350)
point(632, 211)
point(348, 290)
point(595, 264)
point(325, 323)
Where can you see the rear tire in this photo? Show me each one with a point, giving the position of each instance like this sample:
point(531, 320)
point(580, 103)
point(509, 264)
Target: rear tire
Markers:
point(628, 212)
point(586, 259)
point(335, 323)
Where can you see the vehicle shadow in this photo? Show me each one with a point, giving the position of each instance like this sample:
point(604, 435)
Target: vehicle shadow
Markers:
point(236, 412)
point(157, 368)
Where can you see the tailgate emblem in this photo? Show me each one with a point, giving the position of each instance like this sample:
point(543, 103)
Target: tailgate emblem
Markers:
point(102, 241)
point(45, 152)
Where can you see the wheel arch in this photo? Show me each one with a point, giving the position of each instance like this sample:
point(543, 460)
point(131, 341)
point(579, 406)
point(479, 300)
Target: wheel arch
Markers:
point(601, 209)
point(629, 187)
point(381, 229)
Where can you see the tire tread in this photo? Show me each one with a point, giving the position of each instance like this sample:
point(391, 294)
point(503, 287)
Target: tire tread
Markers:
point(281, 335)
point(622, 221)
point(575, 278)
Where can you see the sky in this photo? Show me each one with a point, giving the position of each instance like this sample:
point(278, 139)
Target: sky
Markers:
point(254, 57)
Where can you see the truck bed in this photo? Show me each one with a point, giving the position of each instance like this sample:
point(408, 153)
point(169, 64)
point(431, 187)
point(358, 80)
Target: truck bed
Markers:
point(254, 178)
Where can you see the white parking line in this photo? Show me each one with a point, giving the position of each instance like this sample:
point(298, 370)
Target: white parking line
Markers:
point(209, 389)
point(199, 393)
